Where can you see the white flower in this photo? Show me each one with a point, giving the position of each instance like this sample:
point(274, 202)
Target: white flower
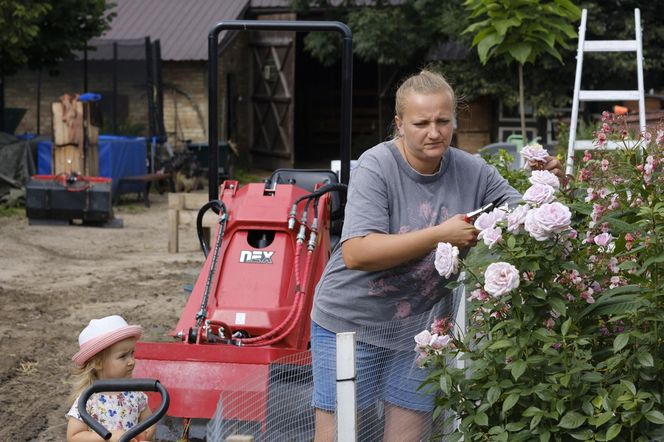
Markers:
point(422, 339)
point(539, 194)
point(535, 153)
point(488, 220)
point(544, 177)
point(516, 218)
point(547, 220)
point(447, 259)
point(500, 278)
point(491, 236)
point(603, 239)
point(440, 341)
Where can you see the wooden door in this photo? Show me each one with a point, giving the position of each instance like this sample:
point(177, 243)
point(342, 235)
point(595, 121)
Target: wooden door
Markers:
point(272, 100)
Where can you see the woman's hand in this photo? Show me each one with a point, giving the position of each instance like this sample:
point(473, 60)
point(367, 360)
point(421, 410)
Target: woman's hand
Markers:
point(456, 231)
point(552, 164)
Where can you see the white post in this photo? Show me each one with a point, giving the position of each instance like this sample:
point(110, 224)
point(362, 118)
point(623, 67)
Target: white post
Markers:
point(346, 400)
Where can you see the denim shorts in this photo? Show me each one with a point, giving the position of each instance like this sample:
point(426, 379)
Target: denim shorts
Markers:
point(382, 374)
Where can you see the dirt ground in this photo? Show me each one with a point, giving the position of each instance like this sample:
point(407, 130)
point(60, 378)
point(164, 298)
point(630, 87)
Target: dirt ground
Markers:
point(54, 279)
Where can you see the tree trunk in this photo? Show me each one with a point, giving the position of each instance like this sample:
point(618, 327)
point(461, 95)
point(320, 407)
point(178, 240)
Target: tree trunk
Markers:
point(522, 105)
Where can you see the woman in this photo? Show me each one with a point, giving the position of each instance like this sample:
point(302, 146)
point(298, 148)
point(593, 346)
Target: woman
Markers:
point(406, 195)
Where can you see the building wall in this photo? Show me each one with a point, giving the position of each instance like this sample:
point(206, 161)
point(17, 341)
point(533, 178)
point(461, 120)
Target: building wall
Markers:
point(21, 91)
point(185, 101)
point(474, 125)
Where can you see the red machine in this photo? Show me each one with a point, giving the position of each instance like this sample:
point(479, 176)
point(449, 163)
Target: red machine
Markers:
point(251, 302)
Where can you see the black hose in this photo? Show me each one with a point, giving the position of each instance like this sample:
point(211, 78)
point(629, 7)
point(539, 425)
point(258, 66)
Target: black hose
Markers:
point(216, 206)
point(223, 218)
point(339, 187)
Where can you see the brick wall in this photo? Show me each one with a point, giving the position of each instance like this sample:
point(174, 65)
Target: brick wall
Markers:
point(21, 92)
point(185, 100)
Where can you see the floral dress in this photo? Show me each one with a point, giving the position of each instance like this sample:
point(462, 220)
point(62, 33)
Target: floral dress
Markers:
point(115, 411)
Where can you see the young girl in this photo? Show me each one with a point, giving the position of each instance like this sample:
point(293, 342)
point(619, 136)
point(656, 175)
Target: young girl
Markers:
point(107, 352)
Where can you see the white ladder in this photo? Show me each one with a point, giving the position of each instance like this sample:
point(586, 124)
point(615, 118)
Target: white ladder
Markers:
point(604, 95)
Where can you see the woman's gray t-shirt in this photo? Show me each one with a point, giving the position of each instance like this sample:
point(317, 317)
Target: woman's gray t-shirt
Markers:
point(386, 195)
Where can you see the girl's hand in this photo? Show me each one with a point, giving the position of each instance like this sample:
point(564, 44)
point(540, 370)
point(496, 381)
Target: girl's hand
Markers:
point(144, 436)
point(116, 435)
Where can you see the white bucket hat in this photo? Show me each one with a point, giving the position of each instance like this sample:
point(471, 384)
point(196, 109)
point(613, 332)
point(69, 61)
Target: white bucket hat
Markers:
point(101, 334)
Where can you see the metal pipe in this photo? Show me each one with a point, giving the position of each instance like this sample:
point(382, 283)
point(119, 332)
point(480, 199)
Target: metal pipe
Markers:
point(278, 25)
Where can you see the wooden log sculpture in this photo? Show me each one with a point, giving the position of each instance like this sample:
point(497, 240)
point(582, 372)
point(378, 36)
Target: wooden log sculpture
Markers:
point(75, 137)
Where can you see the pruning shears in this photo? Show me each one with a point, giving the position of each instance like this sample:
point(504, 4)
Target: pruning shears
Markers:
point(470, 217)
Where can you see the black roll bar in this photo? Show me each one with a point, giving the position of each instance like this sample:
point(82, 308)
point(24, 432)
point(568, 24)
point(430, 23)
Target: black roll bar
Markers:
point(123, 385)
point(278, 25)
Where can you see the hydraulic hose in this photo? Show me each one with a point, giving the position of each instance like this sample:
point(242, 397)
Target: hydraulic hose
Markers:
point(216, 206)
point(223, 218)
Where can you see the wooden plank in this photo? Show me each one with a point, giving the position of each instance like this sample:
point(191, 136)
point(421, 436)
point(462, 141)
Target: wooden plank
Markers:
point(173, 231)
point(183, 211)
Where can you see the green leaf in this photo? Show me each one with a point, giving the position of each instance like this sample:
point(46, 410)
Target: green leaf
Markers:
point(446, 384)
point(582, 435)
point(514, 426)
point(645, 359)
point(503, 343)
point(510, 402)
point(558, 305)
point(613, 431)
point(650, 261)
point(629, 385)
point(486, 45)
point(534, 422)
point(656, 417)
point(481, 419)
point(518, 368)
point(565, 327)
point(520, 52)
point(572, 420)
point(502, 25)
point(620, 342)
point(511, 242)
point(492, 395)
point(531, 411)
point(601, 419)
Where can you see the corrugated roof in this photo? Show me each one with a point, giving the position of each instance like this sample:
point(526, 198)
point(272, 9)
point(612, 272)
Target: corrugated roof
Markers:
point(182, 26)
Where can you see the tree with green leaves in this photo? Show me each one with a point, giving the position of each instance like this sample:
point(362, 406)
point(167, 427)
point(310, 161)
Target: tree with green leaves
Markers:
point(521, 31)
point(400, 34)
point(40, 33)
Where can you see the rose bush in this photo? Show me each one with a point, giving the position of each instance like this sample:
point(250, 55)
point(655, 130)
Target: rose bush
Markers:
point(565, 336)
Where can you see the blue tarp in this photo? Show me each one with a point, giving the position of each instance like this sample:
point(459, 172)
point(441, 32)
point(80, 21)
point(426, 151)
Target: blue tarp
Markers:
point(118, 157)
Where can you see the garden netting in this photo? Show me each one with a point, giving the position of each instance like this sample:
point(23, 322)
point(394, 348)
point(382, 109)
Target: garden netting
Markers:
point(290, 416)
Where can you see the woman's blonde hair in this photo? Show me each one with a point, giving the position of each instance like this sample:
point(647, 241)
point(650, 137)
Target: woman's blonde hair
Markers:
point(86, 375)
point(425, 82)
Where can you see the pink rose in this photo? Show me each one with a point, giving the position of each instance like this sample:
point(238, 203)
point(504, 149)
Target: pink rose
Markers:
point(500, 278)
point(422, 339)
point(489, 219)
point(442, 341)
point(603, 239)
point(544, 177)
point(491, 236)
point(539, 194)
point(535, 153)
point(447, 259)
point(516, 219)
point(547, 220)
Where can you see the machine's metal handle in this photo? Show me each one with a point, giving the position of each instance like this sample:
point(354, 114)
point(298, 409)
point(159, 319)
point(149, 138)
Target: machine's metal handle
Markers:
point(123, 385)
